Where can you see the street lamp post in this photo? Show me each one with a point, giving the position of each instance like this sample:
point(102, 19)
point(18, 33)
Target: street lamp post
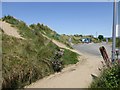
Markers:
point(114, 32)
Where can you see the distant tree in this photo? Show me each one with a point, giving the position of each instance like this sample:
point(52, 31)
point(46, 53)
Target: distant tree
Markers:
point(100, 37)
point(80, 35)
point(91, 36)
point(38, 24)
point(76, 35)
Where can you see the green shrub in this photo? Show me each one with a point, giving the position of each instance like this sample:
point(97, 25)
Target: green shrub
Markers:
point(110, 78)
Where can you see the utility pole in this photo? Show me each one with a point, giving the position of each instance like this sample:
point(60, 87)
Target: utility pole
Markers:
point(114, 31)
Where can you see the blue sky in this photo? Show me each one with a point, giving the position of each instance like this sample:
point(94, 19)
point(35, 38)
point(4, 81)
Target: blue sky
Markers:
point(85, 18)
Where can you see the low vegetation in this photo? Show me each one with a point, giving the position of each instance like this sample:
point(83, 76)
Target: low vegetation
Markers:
point(110, 78)
point(27, 60)
point(69, 57)
point(50, 33)
point(118, 42)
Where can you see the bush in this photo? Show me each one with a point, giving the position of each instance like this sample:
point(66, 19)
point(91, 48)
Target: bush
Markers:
point(110, 78)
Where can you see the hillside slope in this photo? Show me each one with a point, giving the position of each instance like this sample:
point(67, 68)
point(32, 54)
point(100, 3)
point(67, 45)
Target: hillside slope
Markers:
point(27, 60)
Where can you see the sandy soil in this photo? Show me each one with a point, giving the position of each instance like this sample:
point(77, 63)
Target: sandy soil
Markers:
point(9, 30)
point(61, 45)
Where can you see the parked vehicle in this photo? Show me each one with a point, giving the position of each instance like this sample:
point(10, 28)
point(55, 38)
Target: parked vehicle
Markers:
point(86, 40)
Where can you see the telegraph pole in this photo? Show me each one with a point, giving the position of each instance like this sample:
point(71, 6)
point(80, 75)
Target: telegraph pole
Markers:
point(114, 31)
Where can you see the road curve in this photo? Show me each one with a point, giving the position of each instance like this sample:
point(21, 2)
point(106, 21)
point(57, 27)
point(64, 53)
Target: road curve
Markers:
point(92, 48)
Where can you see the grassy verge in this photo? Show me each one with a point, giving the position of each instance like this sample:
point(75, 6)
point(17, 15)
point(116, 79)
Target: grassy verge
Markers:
point(69, 57)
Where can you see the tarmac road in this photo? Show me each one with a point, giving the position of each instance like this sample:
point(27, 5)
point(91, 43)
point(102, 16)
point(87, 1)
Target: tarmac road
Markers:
point(92, 48)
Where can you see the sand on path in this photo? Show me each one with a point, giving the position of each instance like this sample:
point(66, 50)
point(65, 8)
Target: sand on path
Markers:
point(73, 76)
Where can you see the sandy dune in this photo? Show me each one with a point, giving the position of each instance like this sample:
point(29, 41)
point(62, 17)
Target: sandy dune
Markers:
point(61, 45)
point(9, 30)
point(73, 76)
